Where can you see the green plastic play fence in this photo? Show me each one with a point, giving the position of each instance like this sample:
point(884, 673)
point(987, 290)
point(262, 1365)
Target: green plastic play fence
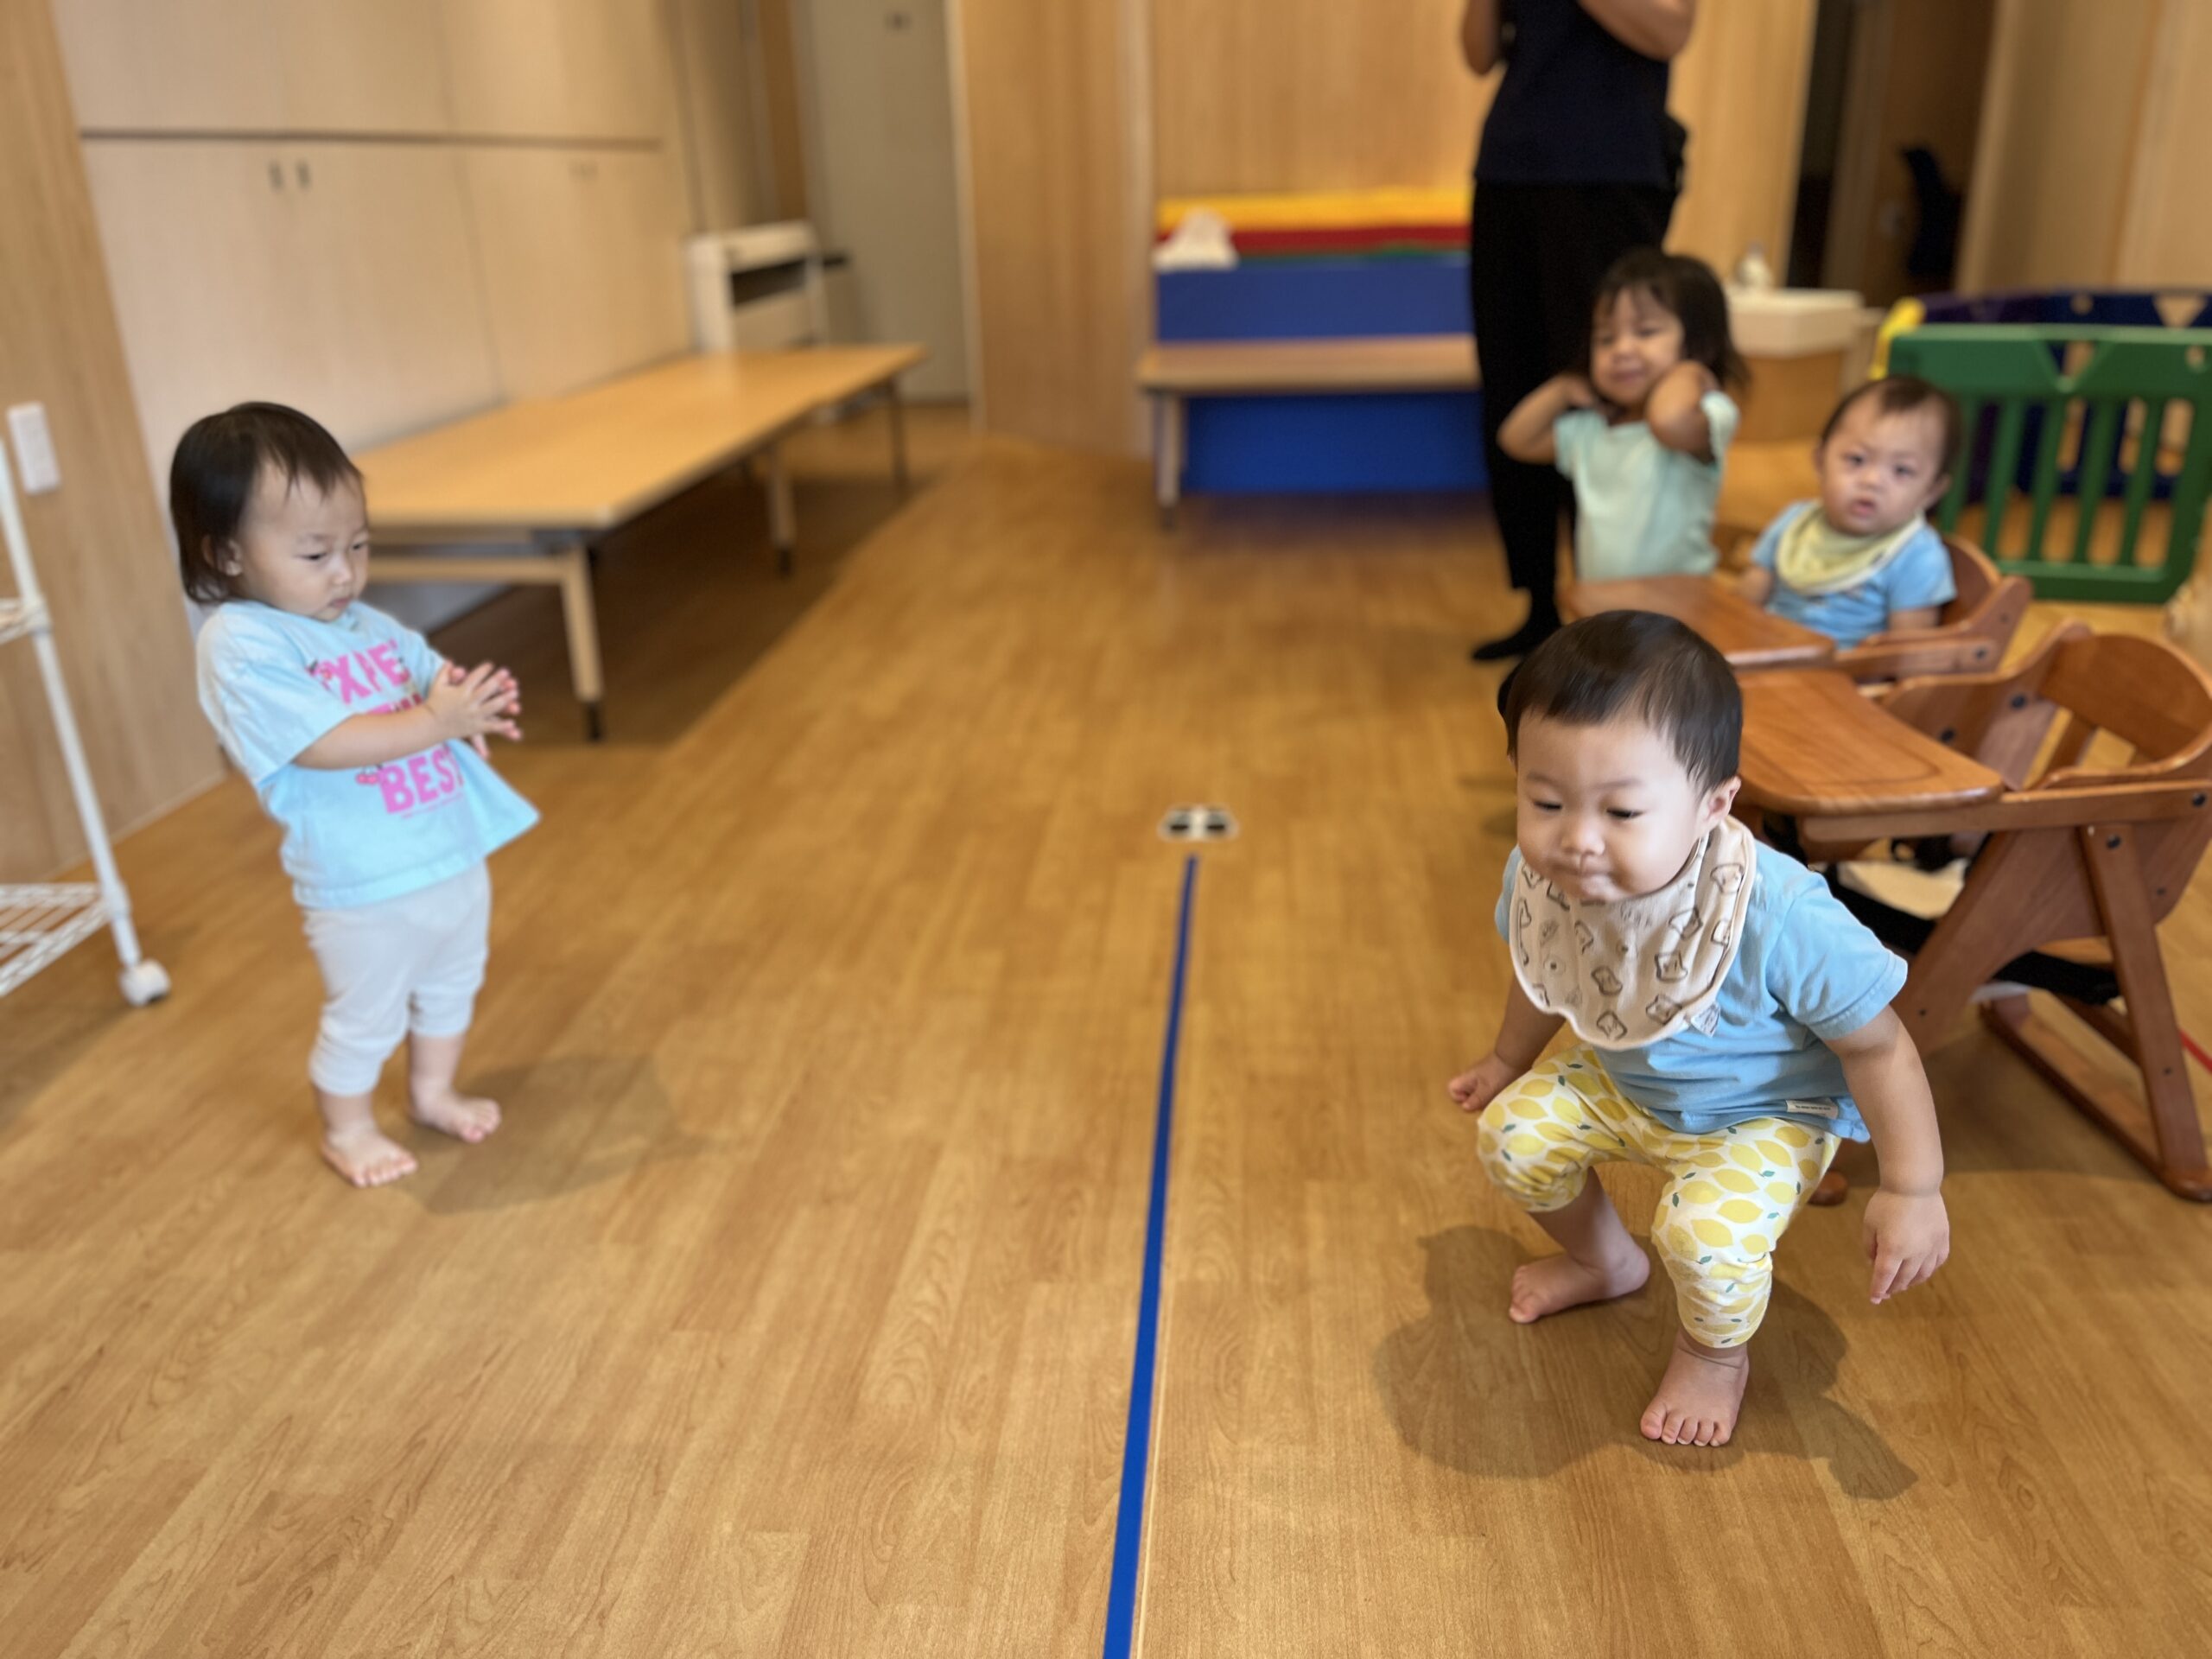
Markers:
point(2100, 393)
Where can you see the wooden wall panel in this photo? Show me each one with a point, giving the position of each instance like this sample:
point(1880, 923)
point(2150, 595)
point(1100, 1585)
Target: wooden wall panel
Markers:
point(2168, 236)
point(1740, 88)
point(1312, 95)
point(1326, 96)
point(2060, 119)
point(1057, 139)
point(103, 556)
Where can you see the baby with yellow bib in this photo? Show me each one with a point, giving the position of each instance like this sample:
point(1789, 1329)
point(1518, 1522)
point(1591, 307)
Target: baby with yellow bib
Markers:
point(1863, 559)
point(1734, 1017)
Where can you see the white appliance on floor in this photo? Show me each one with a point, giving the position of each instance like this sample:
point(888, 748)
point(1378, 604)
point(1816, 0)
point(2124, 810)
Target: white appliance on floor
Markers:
point(39, 923)
point(757, 289)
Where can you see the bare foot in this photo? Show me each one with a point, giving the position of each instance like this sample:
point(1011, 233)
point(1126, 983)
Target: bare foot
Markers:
point(461, 1117)
point(1700, 1397)
point(1558, 1282)
point(365, 1156)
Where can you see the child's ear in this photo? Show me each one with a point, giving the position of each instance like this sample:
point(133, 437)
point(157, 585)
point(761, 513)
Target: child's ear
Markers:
point(225, 558)
point(1937, 491)
point(1723, 799)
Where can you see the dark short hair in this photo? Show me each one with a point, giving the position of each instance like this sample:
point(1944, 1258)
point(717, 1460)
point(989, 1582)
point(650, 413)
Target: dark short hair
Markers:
point(218, 461)
point(1904, 394)
point(1688, 288)
point(1634, 662)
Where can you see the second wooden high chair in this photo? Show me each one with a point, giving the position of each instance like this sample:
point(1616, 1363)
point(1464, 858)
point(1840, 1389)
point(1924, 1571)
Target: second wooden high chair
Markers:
point(2079, 863)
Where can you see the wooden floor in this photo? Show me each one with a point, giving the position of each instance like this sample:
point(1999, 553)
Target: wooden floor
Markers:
point(792, 1312)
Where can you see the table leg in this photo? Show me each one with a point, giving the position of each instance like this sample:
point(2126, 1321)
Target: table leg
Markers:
point(581, 618)
point(782, 522)
point(897, 407)
point(1168, 453)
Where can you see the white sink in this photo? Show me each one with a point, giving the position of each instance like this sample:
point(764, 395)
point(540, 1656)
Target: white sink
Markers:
point(1796, 321)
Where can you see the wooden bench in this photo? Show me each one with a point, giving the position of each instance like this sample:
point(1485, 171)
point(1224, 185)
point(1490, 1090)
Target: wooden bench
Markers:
point(545, 479)
point(1171, 374)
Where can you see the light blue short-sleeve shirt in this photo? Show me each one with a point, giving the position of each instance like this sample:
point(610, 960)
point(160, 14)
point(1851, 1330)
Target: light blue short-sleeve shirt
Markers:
point(272, 684)
point(1808, 971)
point(1640, 508)
point(1919, 576)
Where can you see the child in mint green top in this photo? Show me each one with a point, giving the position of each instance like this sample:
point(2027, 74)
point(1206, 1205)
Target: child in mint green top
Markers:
point(1642, 425)
point(368, 747)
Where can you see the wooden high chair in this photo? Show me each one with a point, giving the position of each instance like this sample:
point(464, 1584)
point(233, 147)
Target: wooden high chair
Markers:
point(1971, 633)
point(2079, 864)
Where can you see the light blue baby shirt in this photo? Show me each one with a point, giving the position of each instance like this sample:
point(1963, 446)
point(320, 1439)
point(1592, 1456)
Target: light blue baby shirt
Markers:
point(1640, 508)
point(1807, 970)
point(272, 684)
point(1919, 576)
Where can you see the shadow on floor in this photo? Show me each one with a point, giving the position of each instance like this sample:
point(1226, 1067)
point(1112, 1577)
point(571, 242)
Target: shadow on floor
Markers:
point(1470, 1389)
point(688, 600)
point(567, 1124)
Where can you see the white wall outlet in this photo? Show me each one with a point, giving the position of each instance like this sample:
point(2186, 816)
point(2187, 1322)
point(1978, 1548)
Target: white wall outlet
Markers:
point(34, 448)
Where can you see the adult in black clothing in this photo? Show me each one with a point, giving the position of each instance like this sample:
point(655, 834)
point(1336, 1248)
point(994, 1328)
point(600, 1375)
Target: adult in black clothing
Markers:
point(1580, 162)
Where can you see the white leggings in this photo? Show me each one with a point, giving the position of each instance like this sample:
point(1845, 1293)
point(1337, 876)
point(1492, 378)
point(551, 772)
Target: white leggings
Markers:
point(413, 963)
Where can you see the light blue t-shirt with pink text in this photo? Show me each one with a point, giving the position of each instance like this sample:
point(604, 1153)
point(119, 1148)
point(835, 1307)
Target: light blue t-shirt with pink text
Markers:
point(272, 684)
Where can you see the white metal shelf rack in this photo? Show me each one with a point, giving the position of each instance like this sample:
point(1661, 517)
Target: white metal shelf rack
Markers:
point(37, 924)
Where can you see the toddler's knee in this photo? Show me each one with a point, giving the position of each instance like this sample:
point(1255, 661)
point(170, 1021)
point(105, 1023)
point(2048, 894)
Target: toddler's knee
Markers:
point(1525, 1164)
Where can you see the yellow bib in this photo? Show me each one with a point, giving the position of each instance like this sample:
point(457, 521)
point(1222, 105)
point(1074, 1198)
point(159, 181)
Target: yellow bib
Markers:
point(1815, 558)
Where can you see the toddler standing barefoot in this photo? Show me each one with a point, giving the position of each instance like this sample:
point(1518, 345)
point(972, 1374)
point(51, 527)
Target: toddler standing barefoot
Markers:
point(367, 749)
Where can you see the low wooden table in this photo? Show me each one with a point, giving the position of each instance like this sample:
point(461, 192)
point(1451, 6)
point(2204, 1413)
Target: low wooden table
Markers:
point(1749, 637)
point(1174, 371)
point(548, 477)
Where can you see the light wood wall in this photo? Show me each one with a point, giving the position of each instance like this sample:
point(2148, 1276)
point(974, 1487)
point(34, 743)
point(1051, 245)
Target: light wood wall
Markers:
point(2167, 236)
point(1055, 140)
point(1074, 112)
point(1325, 96)
point(2061, 127)
point(102, 558)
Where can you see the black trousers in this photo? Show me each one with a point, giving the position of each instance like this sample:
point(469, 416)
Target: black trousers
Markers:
point(1536, 253)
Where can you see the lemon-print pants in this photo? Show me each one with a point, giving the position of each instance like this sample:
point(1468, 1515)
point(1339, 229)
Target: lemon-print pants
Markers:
point(1729, 1194)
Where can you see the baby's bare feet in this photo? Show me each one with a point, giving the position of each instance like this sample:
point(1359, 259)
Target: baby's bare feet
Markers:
point(365, 1156)
point(462, 1116)
point(1701, 1396)
point(1558, 1282)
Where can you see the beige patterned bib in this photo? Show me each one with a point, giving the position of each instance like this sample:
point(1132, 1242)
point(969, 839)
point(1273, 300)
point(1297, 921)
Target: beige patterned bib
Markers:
point(1631, 971)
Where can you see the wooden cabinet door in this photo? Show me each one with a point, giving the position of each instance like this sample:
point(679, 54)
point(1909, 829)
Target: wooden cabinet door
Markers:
point(582, 273)
point(396, 295)
point(211, 278)
point(637, 198)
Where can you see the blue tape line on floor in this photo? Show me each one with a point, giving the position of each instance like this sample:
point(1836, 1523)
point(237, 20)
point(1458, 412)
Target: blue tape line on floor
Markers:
point(1136, 1446)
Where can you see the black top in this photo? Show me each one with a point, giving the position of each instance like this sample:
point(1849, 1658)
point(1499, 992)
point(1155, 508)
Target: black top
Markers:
point(1576, 106)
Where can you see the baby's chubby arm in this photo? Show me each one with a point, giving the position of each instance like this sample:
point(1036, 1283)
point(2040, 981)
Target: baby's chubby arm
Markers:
point(1908, 1230)
point(460, 706)
point(1522, 1034)
point(1526, 434)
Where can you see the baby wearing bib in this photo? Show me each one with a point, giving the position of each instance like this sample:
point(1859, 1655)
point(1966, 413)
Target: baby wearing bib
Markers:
point(1732, 1019)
